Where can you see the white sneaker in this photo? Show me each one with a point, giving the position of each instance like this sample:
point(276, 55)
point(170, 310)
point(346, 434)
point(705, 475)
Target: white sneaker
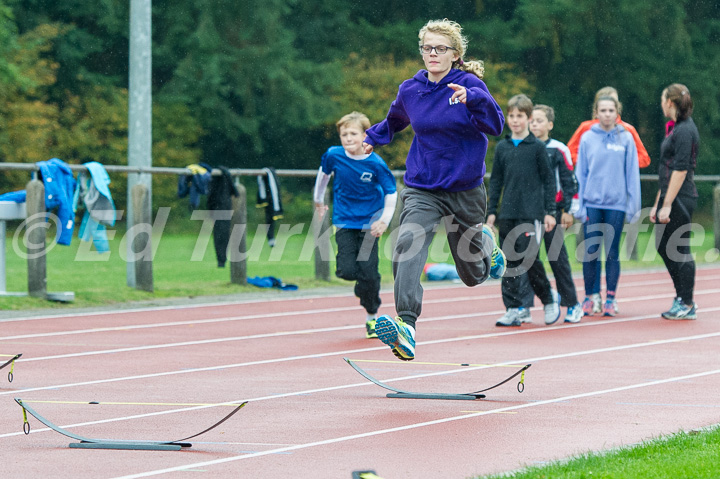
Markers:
point(515, 317)
point(574, 314)
point(552, 310)
point(597, 303)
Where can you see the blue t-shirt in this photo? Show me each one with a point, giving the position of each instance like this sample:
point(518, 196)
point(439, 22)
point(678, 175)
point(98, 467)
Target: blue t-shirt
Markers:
point(359, 187)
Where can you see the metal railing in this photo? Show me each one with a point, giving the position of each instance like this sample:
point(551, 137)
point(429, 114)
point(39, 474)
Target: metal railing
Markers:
point(140, 196)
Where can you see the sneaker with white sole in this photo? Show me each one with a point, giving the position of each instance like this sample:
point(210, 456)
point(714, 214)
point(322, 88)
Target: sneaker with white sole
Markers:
point(497, 258)
point(514, 317)
point(574, 314)
point(552, 310)
point(610, 308)
point(677, 305)
point(684, 311)
point(597, 303)
point(398, 335)
point(592, 304)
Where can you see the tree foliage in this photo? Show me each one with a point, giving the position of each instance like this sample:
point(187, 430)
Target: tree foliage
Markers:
point(262, 83)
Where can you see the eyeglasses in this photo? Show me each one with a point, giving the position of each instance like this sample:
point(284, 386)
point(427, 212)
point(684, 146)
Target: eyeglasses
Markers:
point(440, 49)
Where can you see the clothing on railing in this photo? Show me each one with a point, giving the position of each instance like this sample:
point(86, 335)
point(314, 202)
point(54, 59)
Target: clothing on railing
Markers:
point(94, 193)
point(220, 201)
point(16, 196)
point(196, 185)
point(268, 197)
point(59, 189)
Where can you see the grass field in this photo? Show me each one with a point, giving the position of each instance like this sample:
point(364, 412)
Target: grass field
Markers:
point(184, 265)
point(694, 455)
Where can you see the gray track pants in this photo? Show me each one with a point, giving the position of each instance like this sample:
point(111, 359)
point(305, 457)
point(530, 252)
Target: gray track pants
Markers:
point(463, 214)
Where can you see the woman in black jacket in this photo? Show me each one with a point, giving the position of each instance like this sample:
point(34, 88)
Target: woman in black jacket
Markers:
point(677, 197)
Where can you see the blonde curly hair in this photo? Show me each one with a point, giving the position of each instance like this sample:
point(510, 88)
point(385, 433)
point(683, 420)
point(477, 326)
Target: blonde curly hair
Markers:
point(453, 31)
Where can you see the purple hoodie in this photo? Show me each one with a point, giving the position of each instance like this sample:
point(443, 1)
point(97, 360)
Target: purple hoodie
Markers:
point(449, 148)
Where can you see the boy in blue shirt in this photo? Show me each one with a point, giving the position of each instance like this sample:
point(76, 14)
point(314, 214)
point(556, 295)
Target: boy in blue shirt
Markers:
point(521, 173)
point(364, 198)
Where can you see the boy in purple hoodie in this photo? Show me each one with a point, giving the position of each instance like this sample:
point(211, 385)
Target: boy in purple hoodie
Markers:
point(451, 111)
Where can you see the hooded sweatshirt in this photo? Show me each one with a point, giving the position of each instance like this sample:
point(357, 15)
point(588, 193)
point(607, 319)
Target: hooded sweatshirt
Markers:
point(449, 148)
point(607, 171)
point(59, 184)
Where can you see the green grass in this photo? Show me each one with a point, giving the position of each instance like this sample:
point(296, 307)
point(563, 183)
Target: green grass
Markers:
point(180, 270)
point(101, 279)
point(682, 455)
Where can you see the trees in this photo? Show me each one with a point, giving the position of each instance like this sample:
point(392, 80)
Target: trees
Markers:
point(55, 101)
point(249, 85)
point(263, 83)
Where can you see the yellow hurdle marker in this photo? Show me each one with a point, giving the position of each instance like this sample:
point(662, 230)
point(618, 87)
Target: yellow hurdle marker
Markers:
point(11, 362)
point(439, 364)
point(113, 403)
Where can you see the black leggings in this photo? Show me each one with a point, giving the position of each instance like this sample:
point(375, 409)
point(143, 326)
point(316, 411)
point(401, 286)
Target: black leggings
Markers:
point(357, 260)
point(672, 241)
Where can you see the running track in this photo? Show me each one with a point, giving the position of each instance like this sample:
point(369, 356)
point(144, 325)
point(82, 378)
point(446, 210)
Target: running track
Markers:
point(596, 385)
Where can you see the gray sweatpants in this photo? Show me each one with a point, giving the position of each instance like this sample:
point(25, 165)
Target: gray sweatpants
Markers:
point(463, 214)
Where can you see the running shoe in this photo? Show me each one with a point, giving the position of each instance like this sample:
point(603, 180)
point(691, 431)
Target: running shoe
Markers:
point(610, 308)
point(370, 329)
point(592, 304)
point(597, 303)
point(677, 305)
point(552, 310)
point(497, 258)
point(574, 314)
point(684, 311)
point(398, 335)
point(514, 317)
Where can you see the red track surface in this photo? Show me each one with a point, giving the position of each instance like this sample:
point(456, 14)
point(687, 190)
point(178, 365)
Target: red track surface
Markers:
point(595, 385)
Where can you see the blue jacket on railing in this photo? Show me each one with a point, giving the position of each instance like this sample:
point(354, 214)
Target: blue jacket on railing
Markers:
point(59, 189)
point(94, 193)
point(16, 196)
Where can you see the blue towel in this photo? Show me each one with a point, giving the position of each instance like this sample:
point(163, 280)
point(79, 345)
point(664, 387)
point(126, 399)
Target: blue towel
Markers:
point(271, 282)
point(441, 272)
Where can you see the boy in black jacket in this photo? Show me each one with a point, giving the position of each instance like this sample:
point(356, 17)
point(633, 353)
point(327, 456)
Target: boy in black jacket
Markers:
point(521, 174)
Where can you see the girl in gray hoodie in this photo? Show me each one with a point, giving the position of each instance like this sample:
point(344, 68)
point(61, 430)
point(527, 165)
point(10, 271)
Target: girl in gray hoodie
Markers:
point(609, 194)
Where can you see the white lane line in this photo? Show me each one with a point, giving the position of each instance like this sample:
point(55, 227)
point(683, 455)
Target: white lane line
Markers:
point(148, 309)
point(407, 427)
point(325, 330)
point(299, 313)
point(314, 296)
point(282, 314)
point(344, 353)
point(353, 385)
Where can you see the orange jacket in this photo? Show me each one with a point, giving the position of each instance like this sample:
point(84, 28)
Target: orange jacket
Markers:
point(574, 143)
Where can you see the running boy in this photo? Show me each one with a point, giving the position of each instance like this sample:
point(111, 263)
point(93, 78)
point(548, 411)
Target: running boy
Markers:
point(364, 198)
point(451, 111)
point(521, 173)
point(541, 124)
